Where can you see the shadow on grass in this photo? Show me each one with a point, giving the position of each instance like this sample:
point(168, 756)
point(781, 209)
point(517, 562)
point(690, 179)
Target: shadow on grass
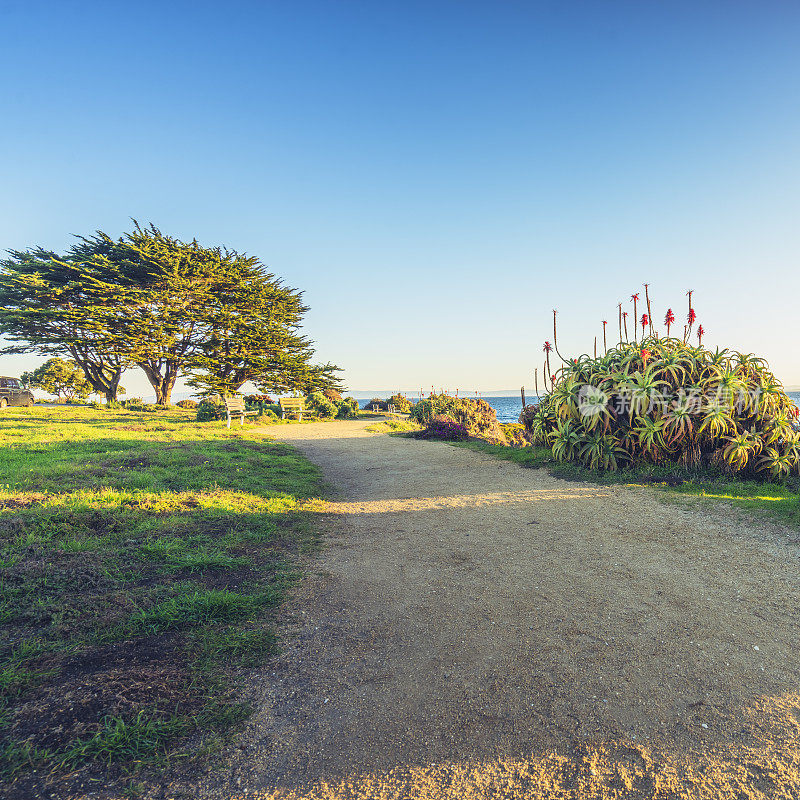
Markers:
point(139, 572)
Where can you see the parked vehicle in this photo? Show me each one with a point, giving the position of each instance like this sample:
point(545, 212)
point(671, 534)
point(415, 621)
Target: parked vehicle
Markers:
point(12, 393)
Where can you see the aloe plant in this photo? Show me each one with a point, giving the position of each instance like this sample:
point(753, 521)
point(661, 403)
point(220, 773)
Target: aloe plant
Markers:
point(662, 399)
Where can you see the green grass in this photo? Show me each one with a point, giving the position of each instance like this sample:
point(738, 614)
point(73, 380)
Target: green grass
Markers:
point(395, 426)
point(780, 502)
point(148, 550)
point(199, 607)
point(133, 740)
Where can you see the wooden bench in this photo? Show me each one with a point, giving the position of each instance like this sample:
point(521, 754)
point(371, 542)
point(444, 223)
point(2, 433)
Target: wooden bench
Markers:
point(292, 405)
point(235, 406)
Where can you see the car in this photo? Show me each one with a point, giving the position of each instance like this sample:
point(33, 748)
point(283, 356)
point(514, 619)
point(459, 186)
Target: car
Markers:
point(12, 393)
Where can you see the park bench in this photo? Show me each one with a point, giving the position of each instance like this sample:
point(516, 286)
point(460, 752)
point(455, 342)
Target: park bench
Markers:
point(235, 406)
point(291, 405)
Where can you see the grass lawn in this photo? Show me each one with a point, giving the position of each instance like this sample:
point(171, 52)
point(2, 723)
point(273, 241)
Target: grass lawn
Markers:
point(142, 556)
point(777, 501)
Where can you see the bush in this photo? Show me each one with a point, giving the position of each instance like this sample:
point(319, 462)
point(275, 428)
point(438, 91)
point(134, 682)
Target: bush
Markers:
point(274, 408)
point(186, 404)
point(269, 415)
point(316, 403)
point(347, 408)
point(333, 395)
point(664, 401)
point(376, 404)
point(477, 416)
point(207, 411)
point(133, 403)
point(516, 435)
point(400, 402)
point(259, 398)
point(444, 427)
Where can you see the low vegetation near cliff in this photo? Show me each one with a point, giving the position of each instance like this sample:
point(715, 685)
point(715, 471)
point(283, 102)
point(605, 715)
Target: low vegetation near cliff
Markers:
point(476, 417)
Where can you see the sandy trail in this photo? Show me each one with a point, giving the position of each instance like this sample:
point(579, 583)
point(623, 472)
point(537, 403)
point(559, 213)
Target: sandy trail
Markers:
point(475, 629)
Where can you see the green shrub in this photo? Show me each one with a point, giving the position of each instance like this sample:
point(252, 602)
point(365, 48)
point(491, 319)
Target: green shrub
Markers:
point(274, 408)
point(400, 402)
point(333, 395)
point(207, 411)
point(259, 398)
point(190, 404)
point(515, 433)
point(316, 403)
point(347, 408)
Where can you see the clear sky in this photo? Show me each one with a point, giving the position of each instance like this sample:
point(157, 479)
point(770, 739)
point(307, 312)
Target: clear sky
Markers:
point(437, 176)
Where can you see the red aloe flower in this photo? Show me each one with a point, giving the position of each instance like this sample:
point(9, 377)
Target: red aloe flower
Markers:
point(669, 319)
point(547, 347)
point(644, 321)
point(691, 317)
point(700, 333)
point(646, 355)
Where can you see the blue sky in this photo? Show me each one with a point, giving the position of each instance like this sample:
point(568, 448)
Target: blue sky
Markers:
point(436, 176)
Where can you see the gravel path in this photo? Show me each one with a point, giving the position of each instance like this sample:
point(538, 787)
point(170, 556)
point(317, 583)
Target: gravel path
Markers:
point(475, 629)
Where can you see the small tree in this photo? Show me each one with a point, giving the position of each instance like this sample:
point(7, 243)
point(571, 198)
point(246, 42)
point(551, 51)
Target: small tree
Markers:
point(61, 378)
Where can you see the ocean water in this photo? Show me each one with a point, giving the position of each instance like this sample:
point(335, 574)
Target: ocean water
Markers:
point(508, 408)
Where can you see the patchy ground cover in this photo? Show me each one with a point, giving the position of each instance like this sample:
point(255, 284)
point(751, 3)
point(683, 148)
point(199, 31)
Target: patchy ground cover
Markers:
point(477, 630)
point(140, 558)
point(395, 426)
point(778, 501)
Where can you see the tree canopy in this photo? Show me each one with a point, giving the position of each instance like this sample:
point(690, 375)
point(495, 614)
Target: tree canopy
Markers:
point(170, 307)
point(60, 305)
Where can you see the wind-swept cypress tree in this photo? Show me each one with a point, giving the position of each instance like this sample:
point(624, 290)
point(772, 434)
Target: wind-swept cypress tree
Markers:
point(167, 306)
point(53, 305)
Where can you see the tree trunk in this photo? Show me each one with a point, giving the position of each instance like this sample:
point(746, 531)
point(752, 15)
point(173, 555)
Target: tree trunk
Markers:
point(113, 386)
point(162, 376)
point(103, 378)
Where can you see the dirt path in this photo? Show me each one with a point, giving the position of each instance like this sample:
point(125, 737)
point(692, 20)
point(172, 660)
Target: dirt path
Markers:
point(475, 629)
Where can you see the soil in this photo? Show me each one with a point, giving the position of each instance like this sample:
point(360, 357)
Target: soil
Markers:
point(476, 630)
